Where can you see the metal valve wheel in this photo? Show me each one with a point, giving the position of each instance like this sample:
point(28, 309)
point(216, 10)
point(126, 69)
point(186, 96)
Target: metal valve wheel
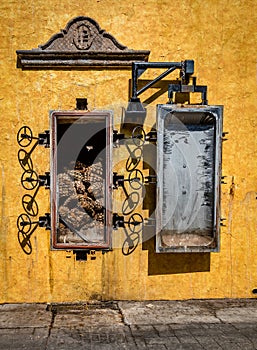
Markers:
point(29, 179)
point(30, 205)
point(24, 223)
point(130, 203)
point(138, 136)
point(25, 160)
point(130, 243)
point(134, 159)
point(24, 136)
point(25, 242)
point(135, 223)
point(136, 179)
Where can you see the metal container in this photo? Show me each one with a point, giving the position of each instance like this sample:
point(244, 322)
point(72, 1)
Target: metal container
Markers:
point(189, 142)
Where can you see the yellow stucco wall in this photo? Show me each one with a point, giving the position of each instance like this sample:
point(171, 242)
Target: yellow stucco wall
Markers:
point(220, 36)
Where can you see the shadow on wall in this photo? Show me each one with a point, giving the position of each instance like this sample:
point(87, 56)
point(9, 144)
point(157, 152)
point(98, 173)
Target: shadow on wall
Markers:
point(158, 89)
point(166, 263)
point(173, 263)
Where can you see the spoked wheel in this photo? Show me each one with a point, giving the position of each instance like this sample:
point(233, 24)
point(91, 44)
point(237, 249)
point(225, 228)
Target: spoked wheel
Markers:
point(25, 243)
point(24, 136)
point(136, 179)
point(130, 203)
point(25, 160)
point(24, 223)
point(29, 179)
point(29, 205)
point(130, 244)
point(138, 136)
point(135, 223)
point(134, 159)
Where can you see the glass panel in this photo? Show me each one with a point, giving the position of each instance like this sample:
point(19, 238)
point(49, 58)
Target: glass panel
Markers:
point(81, 184)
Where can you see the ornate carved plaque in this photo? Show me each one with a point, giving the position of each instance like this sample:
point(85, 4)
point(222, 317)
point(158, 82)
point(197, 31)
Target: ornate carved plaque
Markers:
point(81, 43)
point(82, 37)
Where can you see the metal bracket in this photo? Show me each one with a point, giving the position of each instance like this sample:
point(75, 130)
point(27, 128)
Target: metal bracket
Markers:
point(224, 134)
point(45, 221)
point(117, 221)
point(151, 179)
point(118, 180)
point(221, 222)
point(151, 136)
point(135, 177)
point(117, 136)
point(134, 220)
point(44, 139)
point(222, 180)
point(135, 112)
point(150, 222)
point(138, 136)
point(44, 180)
point(180, 87)
point(138, 68)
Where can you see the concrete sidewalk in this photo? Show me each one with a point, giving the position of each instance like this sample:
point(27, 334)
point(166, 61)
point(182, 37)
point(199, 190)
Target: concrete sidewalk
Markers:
point(194, 324)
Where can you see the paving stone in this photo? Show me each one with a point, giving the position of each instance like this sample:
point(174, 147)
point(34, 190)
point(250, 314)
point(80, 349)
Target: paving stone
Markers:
point(211, 346)
point(171, 341)
point(208, 342)
point(182, 332)
point(10, 331)
point(82, 328)
point(231, 346)
point(247, 346)
point(226, 328)
point(197, 331)
point(103, 347)
point(146, 331)
point(237, 314)
point(24, 316)
point(164, 330)
point(187, 339)
point(88, 317)
point(233, 338)
point(67, 346)
point(165, 312)
point(245, 325)
point(214, 332)
point(23, 338)
point(155, 341)
point(140, 343)
point(185, 347)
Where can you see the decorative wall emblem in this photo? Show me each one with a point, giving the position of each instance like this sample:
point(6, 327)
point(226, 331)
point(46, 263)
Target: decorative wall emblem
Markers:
point(81, 43)
point(82, 37)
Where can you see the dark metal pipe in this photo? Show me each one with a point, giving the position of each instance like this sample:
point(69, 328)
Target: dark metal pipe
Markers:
point(134, 79)
point(157, 64)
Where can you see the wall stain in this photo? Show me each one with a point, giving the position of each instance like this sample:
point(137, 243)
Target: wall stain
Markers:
point(51, 277)
point(230, 205)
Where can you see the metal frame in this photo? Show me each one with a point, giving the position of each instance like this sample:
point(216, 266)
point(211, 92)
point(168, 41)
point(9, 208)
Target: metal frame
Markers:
point(216, 113)
point(107, 115)
point(186, 70)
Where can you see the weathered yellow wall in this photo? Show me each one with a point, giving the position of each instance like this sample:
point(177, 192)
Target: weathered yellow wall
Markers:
point(221, 37)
